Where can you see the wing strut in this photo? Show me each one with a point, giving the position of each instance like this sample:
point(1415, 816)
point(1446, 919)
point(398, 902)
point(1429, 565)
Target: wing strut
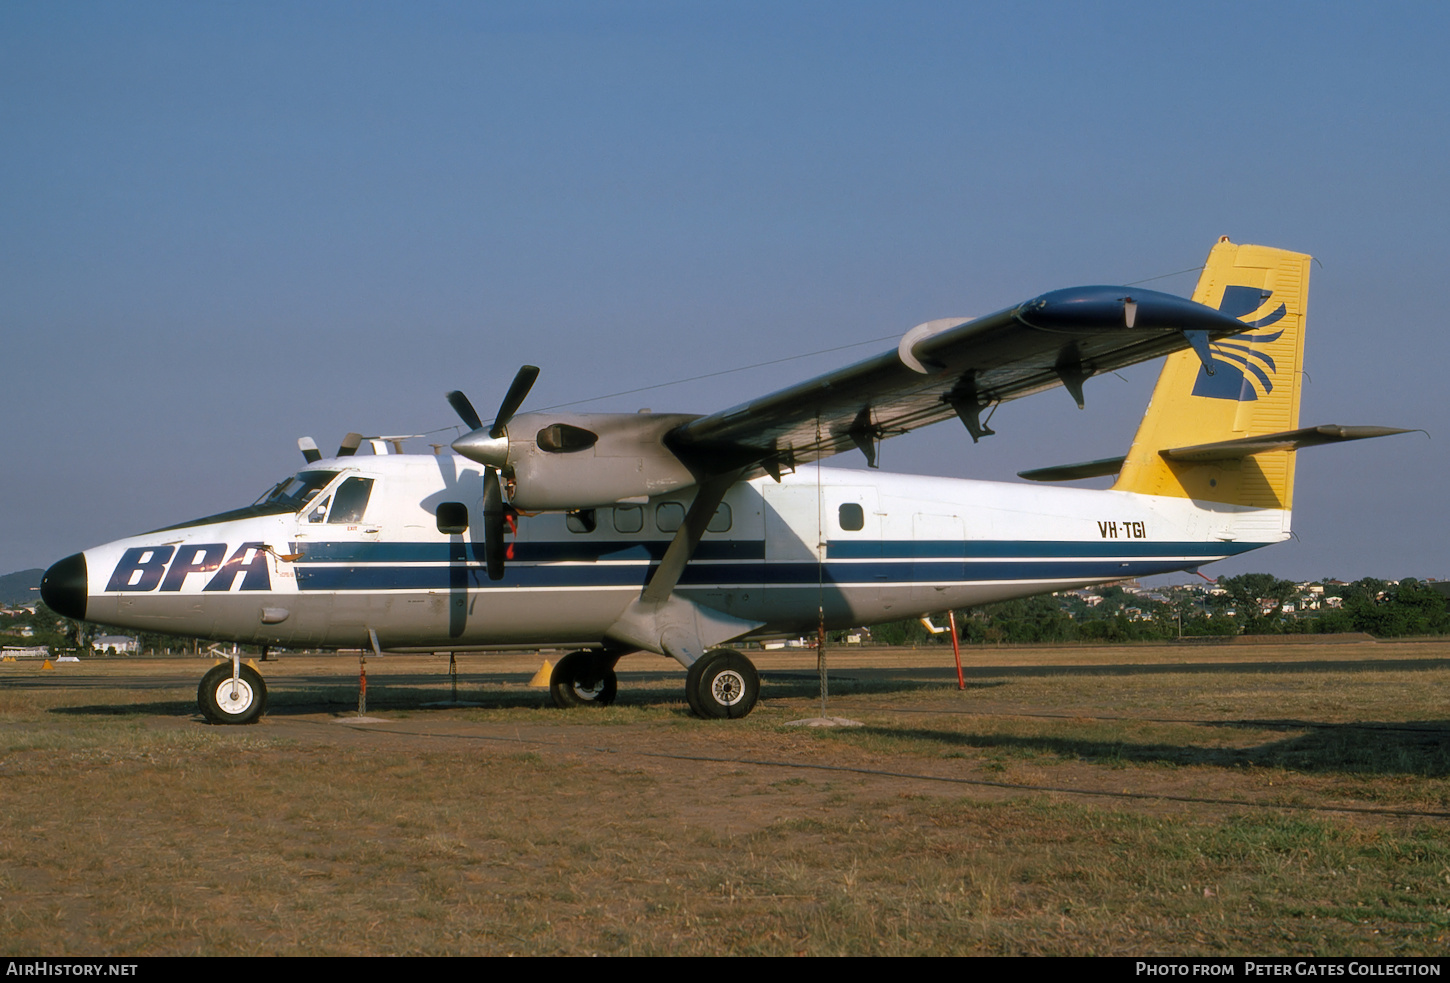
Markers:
point(662, 621)
point(687, 538)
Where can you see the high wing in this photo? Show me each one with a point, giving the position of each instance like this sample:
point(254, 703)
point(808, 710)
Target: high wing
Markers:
point(949, 367)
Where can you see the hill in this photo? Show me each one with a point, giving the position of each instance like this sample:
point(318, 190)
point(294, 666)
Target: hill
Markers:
point(15, 587)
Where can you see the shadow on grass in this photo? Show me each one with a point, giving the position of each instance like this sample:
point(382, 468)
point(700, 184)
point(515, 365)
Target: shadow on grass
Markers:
point(160, 708)
point(1212, 668)
point(303, 695)
point(1368, 748)
point(313, 694)
point(799, 685)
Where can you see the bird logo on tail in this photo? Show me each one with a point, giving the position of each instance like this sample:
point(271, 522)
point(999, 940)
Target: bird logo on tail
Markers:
point(1242, 370)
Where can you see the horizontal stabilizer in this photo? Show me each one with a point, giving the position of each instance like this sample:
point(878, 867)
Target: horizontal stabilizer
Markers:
point(1072, 472)
point(1223, 450)
point(1288, 440)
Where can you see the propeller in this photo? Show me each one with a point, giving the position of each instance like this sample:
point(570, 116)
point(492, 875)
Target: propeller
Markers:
point(490, 448)
point(308, 447)
point(493, 522)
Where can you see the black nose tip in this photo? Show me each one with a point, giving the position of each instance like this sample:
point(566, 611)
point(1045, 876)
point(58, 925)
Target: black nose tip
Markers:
point(63, 587)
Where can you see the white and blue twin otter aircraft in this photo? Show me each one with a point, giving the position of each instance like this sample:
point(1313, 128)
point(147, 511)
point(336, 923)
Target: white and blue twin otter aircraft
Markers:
point(677, 533)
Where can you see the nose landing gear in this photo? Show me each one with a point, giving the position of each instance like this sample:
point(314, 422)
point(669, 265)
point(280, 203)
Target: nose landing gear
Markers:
point(227, 699)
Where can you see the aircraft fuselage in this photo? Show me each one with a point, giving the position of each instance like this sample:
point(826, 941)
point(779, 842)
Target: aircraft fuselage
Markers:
point(373, 544)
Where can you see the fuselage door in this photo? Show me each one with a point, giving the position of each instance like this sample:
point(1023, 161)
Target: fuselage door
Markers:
point(858, 557)
point(334, 526)
point(821, 543)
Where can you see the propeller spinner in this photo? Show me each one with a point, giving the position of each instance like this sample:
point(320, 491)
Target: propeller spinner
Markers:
point(490, 448)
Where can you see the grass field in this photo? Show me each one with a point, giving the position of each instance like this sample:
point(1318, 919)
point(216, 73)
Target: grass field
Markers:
point(1215, 800)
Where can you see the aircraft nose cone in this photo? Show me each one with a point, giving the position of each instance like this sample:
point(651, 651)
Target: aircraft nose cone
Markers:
point(63, 588)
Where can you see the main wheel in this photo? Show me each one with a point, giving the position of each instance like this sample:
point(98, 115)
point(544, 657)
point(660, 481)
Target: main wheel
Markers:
point(723, 684)
point(583, 679)
point(223, 702)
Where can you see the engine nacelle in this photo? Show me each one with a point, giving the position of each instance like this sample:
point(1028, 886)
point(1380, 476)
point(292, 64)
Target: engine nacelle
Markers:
point(583, 460)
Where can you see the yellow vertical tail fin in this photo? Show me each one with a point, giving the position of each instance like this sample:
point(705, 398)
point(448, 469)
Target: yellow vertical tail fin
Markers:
point(1251, 390)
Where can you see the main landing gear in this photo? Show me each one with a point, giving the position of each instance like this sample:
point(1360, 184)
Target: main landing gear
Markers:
point(721, 685)
point(224, 699)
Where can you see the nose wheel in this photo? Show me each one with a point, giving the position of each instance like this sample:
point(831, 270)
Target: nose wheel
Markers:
point(225, 700)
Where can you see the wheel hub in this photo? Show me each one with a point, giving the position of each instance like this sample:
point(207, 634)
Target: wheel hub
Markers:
point(728, 688)
point(234, 697)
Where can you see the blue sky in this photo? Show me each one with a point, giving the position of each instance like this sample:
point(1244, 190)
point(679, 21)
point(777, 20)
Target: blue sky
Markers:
point(229, 225)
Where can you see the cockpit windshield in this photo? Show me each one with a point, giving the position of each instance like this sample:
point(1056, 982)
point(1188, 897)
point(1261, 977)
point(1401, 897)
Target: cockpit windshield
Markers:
point(295, 492)
point(291, 495)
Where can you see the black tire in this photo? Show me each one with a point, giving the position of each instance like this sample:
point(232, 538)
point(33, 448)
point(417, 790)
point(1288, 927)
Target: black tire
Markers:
point(723, 685)
point(583, 679)
point(221, 705)
point(690, 685)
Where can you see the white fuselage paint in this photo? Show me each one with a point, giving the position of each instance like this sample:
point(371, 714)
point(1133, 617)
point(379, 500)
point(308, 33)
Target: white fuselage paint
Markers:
point(862, 546)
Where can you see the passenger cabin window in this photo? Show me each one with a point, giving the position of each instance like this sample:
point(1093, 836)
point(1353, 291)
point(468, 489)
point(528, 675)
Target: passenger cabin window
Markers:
point(852, 517)
point(452, 518)
point(669, 516)
point(628, 518)
point(584, 520)
point(351, 500)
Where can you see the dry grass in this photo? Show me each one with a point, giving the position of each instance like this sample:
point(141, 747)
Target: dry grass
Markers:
point(132, 828)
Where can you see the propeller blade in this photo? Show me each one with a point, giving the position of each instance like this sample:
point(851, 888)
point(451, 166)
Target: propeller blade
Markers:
point(465, 409)
point(518, 392)
point(350, 443)
point(309, 450)
point(493, 522)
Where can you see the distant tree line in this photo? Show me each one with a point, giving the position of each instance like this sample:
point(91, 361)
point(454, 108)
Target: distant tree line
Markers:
point(1388, 610)
point(66, 634)
point(1251, 604)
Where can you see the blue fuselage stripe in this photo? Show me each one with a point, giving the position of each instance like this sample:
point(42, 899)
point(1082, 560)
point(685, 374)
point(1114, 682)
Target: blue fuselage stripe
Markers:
point(654, 550)
point(972, 549)
point(581, 551)
point(906, 563)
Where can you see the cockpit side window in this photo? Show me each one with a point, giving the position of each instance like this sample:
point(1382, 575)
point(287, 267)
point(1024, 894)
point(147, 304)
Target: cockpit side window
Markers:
point(351, 500)
point(318, 512)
